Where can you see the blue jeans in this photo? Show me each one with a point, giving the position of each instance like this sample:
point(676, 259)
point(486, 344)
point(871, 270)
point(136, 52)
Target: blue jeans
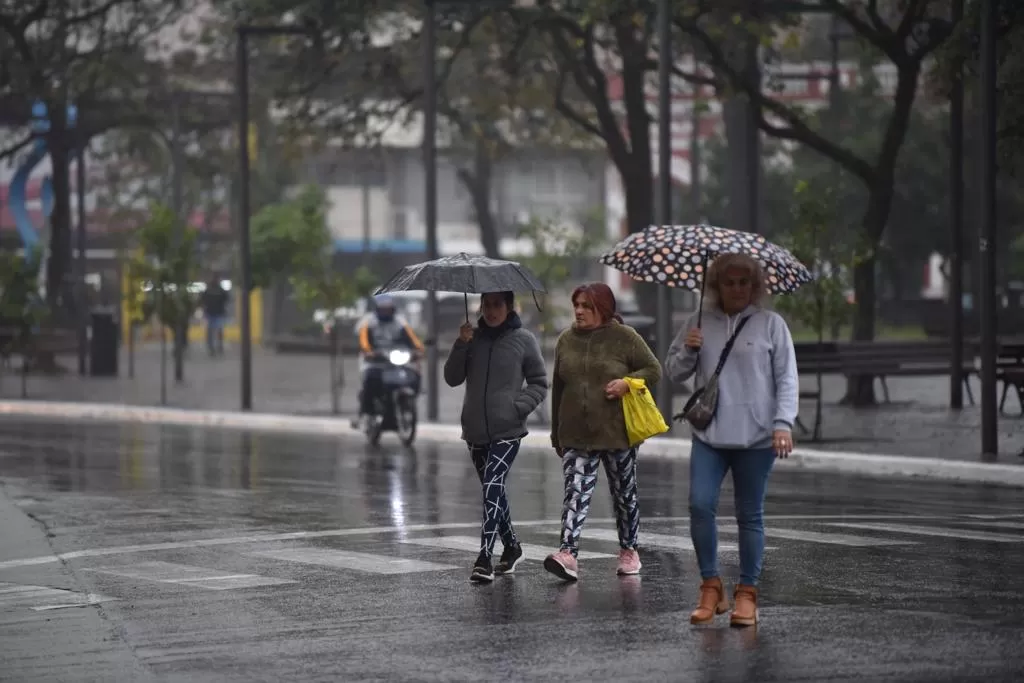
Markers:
point(750, 470)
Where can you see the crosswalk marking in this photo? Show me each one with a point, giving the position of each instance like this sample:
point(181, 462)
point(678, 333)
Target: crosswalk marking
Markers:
point(43, 598)
point(831, 538)
point(966, 534)
point(346, 559)
point(472, 545)
point(654, 540)
point(183, 574)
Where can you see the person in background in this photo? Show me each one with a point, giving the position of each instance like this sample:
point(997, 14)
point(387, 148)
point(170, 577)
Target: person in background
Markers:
point(588, 427)
point(503, 369)
point(382, 331)
point(758, 393)
point(215, 309)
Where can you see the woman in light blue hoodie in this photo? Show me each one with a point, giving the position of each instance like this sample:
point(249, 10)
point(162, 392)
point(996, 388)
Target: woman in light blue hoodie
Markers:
point(758, 395)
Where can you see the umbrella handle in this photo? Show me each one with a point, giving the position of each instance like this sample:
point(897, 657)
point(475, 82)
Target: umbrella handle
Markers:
point(465, 299)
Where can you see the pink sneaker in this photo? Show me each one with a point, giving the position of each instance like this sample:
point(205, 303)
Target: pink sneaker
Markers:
point(629, 562)
point(563, 565)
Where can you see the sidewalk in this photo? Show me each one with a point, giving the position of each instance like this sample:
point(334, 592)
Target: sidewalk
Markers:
point(917, 424)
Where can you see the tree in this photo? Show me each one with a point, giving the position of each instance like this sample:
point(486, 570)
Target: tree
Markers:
point(21, 309)
point(820, 304)
point(961, 54)
point(90, 53)
point(291, 242)
point(903, 36)
point(164, 256)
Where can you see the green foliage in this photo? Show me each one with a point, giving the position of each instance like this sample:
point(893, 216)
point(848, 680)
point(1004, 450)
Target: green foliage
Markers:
point(291, 241)
point(556, 248)
point(287, 236)
point(22, 310)
point(822, 304)
point(164, 263)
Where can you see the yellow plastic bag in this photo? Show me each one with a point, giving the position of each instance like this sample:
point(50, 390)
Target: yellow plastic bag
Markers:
point(643, 419)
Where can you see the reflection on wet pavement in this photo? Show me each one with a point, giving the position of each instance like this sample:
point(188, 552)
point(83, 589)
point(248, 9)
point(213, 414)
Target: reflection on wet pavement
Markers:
point(224, 555)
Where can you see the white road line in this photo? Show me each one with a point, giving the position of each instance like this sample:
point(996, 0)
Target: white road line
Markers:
point(830, 538)
point(648, 539)
point(41, 598)
point(197, 577)
point(965, 534)
point(368, 531)
point(996, 524)
point(472, 545)
point(344, 559)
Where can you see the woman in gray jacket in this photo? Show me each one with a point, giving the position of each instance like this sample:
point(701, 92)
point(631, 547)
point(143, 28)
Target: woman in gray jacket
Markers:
point(758, 395)
point(502, 366)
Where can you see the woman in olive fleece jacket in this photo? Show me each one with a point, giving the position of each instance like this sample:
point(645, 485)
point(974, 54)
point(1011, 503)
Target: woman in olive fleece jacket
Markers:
point(588, 427)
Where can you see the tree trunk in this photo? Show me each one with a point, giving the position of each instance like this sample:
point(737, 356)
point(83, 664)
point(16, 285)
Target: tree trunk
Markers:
point(58, 265)
point(639, 190)
point(478, 183)
point(860, 389)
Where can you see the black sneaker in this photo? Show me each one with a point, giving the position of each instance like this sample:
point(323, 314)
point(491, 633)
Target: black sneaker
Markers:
point(482, 572)
point(510, 557)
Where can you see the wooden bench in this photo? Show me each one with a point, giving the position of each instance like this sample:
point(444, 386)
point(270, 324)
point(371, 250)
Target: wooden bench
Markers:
point(48, 340)
point(884, 359)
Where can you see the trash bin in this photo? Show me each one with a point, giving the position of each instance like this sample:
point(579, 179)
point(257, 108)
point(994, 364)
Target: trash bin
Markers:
point(103, 344)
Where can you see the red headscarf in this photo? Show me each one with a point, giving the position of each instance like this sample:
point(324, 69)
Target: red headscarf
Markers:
point(602, 298)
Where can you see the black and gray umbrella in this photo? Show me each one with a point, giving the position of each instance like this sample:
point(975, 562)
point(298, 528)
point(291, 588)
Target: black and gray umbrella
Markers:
point(464, 273)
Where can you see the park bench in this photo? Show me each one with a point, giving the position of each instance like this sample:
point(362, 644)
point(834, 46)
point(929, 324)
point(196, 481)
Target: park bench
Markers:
point(1010, 371)
point(882, 359)
point(49, 341)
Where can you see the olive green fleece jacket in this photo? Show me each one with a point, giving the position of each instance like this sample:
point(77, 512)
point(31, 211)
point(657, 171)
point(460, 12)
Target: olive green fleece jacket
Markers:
point(585, 361)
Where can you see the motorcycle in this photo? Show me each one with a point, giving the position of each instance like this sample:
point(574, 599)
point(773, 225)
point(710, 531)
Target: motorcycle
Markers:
point(394, 406)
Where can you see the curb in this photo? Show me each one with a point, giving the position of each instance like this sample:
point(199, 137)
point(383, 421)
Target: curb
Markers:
point(867, 464)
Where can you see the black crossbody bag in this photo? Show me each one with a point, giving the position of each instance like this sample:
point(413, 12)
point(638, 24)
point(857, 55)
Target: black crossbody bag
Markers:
point(700, 409)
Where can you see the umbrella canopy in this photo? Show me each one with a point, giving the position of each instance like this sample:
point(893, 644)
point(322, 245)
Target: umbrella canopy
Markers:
point(677, 256)
point(466, 273)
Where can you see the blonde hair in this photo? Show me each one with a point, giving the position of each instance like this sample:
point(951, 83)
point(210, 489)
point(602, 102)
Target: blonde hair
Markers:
point(753, 269)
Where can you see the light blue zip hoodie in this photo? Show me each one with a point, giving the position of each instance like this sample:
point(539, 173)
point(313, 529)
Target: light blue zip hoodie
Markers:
point(758, 390)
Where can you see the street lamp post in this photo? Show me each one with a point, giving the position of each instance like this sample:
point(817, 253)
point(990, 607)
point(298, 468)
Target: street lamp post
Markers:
point(956, 220)
point(430, 194)
point(243, 32)
point(987, 234)
point(663, 322)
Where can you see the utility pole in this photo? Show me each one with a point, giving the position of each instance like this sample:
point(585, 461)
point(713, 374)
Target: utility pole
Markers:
point(430, 195)
point(956, 222)
point(663, 322)
point(987, 309)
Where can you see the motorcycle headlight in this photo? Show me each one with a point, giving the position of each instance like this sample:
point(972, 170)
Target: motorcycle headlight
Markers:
point(399, 357)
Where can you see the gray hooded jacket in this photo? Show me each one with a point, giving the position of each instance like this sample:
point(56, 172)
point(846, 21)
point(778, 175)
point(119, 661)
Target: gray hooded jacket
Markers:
point(495, 366)
point(758, 390)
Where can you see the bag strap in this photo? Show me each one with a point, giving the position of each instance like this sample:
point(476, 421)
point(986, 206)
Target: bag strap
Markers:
point(728, 346)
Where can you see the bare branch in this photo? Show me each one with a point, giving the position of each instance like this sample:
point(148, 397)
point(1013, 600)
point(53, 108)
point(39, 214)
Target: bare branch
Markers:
point(13, 149)
point(565, 109)
point(797, 130)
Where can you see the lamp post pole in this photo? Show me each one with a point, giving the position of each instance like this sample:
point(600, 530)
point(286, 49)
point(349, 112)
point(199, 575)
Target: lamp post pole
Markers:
point(663, 322)
point(243, 32)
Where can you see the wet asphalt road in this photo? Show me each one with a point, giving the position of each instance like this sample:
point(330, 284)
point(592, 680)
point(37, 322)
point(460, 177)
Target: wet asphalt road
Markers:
point(202, 555)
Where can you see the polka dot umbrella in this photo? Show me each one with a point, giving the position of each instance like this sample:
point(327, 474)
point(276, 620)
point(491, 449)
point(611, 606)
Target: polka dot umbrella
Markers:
point(678, 255)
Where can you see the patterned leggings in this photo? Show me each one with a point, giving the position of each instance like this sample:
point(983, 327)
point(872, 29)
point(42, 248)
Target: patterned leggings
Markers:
point(493, 461)
point(580, 468)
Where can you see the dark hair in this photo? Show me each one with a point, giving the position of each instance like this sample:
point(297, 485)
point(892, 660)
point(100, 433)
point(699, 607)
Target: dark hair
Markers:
point(508, 297)
point(603, 299)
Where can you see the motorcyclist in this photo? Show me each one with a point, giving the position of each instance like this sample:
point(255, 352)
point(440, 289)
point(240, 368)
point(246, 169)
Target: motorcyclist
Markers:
point(379, 332)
